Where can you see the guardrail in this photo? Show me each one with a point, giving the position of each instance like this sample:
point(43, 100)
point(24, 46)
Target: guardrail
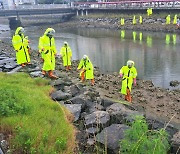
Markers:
point(130, 4)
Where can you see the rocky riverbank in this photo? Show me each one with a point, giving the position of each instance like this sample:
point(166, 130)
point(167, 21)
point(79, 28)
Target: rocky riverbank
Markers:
point(156, 23)
point(101, 108)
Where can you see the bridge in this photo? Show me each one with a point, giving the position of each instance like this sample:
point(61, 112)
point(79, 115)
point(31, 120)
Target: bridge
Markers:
point(126, 6)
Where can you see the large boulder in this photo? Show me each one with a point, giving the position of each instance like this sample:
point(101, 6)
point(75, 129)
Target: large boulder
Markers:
point(157, 124)
point(60, 96)
point(119, 113)
point(97, 118)
point(175, 143)
point(106, 102)
point(74, 89)
point(75, 109)
point(174, 83)
point(110, 136)
point(36, 74)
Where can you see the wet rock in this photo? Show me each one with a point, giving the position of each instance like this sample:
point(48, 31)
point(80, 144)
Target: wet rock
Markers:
point(59, 95)
point(36, 74)
point(175, 143)
point(2, 136)
point(100, 118)
point(111, 136)
point(174, 83)
point(75, 109)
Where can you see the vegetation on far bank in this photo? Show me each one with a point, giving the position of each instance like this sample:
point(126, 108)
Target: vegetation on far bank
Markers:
point(31, 121)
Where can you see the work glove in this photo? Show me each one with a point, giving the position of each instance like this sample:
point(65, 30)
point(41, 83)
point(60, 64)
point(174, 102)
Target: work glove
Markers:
point(120, 75)
point(134, 81)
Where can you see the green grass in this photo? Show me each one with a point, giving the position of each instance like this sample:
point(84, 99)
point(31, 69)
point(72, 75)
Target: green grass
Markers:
point(33, 122)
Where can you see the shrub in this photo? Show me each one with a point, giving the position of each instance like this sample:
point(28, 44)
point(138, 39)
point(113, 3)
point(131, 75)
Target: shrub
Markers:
point(139, 140)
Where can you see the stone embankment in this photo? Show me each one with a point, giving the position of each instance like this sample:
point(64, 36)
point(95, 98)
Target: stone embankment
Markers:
point(100, 114)
point(154, 23)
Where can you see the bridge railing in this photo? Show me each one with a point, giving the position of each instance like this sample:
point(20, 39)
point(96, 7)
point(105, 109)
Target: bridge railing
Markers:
point(130, 4)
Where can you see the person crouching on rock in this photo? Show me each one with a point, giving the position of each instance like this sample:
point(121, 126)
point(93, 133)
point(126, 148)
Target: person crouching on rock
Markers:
point(87, 69)
point(66, 55)
point(128, 74)
point(21, 47)
point(47, 48)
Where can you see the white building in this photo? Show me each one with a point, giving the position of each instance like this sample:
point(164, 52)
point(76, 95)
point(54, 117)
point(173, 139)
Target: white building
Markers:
point(11, 4)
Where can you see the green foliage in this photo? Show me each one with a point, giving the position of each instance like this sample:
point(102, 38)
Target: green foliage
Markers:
point(32, 118)
point(60, 144)
point(139, 140)
point(11, 104)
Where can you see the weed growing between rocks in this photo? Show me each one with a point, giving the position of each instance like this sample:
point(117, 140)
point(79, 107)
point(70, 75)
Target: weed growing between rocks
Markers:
point(139, 139)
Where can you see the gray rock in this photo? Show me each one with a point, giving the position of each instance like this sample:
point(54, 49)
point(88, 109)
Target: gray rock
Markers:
point(119, 113)
point(4, 145)
point(93, 130)
point(111, 136)
point(100, 118)
point(59, 95)
point(90, 141)
point(36, 74)
point(175, 142)
point(8, 60)
point(75, 109)
point(60, 83)
point(106, 102)
point(174, 83)
point(10, 65)
point(74, 89)
point(95, 107)
point(157, 124)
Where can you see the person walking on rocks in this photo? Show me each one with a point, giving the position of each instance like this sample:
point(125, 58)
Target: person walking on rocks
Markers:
point(87, 69)
point(21, 46)
point(128, 74)
point(48, 51)
point(66, 55)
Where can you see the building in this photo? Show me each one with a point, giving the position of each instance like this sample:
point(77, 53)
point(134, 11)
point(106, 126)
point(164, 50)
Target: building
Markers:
point(11, 4)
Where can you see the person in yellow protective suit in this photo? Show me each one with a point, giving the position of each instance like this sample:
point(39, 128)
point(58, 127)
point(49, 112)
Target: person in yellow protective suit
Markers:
point(168, 20)
point(48, 52)
point(87, 69)
point(122, 21)
point(66, 55)
point(175, 19)
point(21, 46)
point(148, 12)
point(140, 19)
point(134, 20)
point(128, 74)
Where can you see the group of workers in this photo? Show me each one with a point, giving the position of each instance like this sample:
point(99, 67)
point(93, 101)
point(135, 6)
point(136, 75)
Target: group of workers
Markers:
point(48, 52)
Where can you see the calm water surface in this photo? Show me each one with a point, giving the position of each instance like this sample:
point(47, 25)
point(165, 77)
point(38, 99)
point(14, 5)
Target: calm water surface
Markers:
point(156, 55)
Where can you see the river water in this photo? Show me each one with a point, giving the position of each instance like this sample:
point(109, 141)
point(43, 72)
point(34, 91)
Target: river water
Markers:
point(156, 55)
